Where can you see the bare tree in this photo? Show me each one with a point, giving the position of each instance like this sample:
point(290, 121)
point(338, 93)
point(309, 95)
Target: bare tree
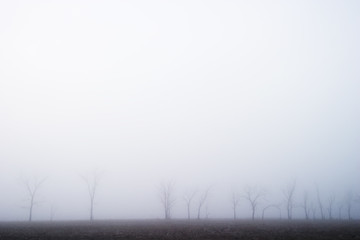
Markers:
point(331, 201)
point(348, 201)
point(306, 206)
point(253, 195)
point(202, 200)
point(321, 206)
point(32, 188)
point(289, 198)
point(235, 202)
point(188, 198)
point(167, 199)
point(92, 185)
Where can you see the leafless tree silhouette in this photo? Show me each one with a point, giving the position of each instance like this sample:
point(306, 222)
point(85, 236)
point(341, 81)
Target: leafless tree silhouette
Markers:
point(92, 185)
point(348, 201)
point(320, 204)
point(253, 195)
point(289, 192)
point(306, 206)
point(235, 202)
point(32, 188)
point(202, 200)
point(188, 198)
point(167, 199)
point(331, 202)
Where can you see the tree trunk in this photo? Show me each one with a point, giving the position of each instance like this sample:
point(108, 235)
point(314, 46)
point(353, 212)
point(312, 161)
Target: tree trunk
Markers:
point(188, 211)
point(31, 208)
point(199, 211)
point(91, 209)
point(30, 214)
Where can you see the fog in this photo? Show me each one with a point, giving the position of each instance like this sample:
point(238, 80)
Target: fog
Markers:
point(219, 95)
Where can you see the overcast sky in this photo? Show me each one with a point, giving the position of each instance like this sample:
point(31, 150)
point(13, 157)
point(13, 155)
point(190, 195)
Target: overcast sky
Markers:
point(225, 94)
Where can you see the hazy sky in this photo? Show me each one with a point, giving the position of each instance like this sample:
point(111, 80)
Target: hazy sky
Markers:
point(203, 93)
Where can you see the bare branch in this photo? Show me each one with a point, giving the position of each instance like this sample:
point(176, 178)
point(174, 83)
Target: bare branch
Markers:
point(32, 187)
point(202, 200)
point(92, 185)
point(253, 195)
point(289, 198)
point(166, 198)
point(188, 198)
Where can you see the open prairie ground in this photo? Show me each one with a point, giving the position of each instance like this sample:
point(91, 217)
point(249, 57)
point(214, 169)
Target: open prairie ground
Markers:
point(181, 229)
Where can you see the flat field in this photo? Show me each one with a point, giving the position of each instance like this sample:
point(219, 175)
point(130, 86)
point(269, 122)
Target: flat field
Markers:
point(182, 229)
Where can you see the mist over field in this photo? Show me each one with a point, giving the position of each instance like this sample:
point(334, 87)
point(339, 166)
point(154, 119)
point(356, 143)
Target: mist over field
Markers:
point(217, 97)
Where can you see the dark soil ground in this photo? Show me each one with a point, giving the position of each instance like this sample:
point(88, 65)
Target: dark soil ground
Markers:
point(181, 229)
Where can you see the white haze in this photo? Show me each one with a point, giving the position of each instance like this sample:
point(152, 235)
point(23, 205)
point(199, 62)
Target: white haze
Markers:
point(226, 94)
